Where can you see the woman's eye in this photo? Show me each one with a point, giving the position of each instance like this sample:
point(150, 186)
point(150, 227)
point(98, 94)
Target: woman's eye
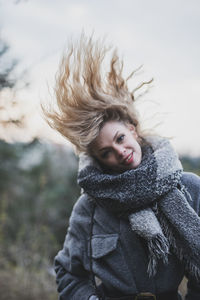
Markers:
point(120, 138)
point(105, 154)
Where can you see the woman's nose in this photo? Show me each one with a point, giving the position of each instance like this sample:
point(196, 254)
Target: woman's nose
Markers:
point(120, 151)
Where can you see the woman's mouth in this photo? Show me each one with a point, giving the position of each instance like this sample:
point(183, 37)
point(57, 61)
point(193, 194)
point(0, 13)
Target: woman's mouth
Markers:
point(128, 159)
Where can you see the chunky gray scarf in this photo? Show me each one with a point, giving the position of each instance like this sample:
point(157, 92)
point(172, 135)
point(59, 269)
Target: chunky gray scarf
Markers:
point(154, 200)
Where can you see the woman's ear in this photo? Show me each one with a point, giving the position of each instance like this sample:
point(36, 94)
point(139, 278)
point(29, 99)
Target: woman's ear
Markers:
point(132, 130)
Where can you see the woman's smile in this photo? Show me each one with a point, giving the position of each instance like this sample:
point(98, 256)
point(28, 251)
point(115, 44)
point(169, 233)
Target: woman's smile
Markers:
point(128, 159)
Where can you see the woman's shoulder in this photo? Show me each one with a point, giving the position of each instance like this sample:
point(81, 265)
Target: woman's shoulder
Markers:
point(83, 205)
point(80, 219)
point(191, 180)
point(85, 208)
point(192, 183)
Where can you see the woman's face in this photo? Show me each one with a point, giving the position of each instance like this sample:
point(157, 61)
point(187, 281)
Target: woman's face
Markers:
point(116, 147)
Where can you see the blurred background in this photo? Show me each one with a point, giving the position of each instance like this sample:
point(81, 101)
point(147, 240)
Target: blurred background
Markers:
point(37, 166)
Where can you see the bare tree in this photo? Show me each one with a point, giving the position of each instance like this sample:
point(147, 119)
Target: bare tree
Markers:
point(6, 70)
point(8, 89)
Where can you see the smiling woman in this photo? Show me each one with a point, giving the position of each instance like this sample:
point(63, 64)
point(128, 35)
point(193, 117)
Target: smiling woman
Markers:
point(126, 228)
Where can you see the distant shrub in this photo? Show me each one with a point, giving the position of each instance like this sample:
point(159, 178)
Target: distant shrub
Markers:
point(191, 164)
point(18, 284)
point(38, 190)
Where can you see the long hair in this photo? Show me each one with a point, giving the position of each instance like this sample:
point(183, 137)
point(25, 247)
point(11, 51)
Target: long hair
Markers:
point(87, 95)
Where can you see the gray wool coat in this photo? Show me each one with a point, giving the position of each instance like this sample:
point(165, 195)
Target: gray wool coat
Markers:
point(120, 257)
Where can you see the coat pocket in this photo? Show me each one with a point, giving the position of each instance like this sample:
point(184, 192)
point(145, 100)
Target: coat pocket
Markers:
point(103, 244)
point(108, 261)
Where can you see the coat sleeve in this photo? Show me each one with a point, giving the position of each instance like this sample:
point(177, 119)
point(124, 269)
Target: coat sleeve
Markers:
point(73, 281)
point(192, 183)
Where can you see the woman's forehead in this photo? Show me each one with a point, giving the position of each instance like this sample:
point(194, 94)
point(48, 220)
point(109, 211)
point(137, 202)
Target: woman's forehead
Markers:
point(109, 132)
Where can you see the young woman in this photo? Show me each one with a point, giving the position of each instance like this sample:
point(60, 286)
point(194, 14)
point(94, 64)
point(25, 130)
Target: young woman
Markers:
point(135, 230)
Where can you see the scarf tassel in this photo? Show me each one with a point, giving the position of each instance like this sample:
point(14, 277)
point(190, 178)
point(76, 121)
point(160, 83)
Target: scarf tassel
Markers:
point(158, 248)
point(190, 267)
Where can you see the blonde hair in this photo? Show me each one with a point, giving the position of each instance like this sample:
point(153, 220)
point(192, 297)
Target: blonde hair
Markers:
point(86, 96)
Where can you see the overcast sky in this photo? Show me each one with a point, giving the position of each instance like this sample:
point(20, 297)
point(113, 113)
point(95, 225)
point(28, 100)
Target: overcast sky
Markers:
point(163, 36)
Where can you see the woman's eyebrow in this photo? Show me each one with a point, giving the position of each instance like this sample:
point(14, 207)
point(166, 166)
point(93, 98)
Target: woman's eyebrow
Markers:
point(115, 135)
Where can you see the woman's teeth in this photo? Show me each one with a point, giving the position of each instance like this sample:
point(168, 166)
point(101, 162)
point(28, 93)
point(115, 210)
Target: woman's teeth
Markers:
point(129, 157)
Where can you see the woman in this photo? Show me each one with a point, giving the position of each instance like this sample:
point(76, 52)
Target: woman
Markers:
point(134, 232)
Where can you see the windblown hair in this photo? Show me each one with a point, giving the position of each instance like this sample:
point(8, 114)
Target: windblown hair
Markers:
point(86, 96)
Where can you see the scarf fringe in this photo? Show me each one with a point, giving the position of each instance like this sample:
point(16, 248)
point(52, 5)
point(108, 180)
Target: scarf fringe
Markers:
point(158, 249)
point(189, 266)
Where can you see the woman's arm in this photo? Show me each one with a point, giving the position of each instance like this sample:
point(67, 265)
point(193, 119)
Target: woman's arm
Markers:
point(74, 282)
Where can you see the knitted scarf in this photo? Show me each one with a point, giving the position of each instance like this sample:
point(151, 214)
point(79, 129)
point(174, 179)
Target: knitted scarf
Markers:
point(154, 200)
